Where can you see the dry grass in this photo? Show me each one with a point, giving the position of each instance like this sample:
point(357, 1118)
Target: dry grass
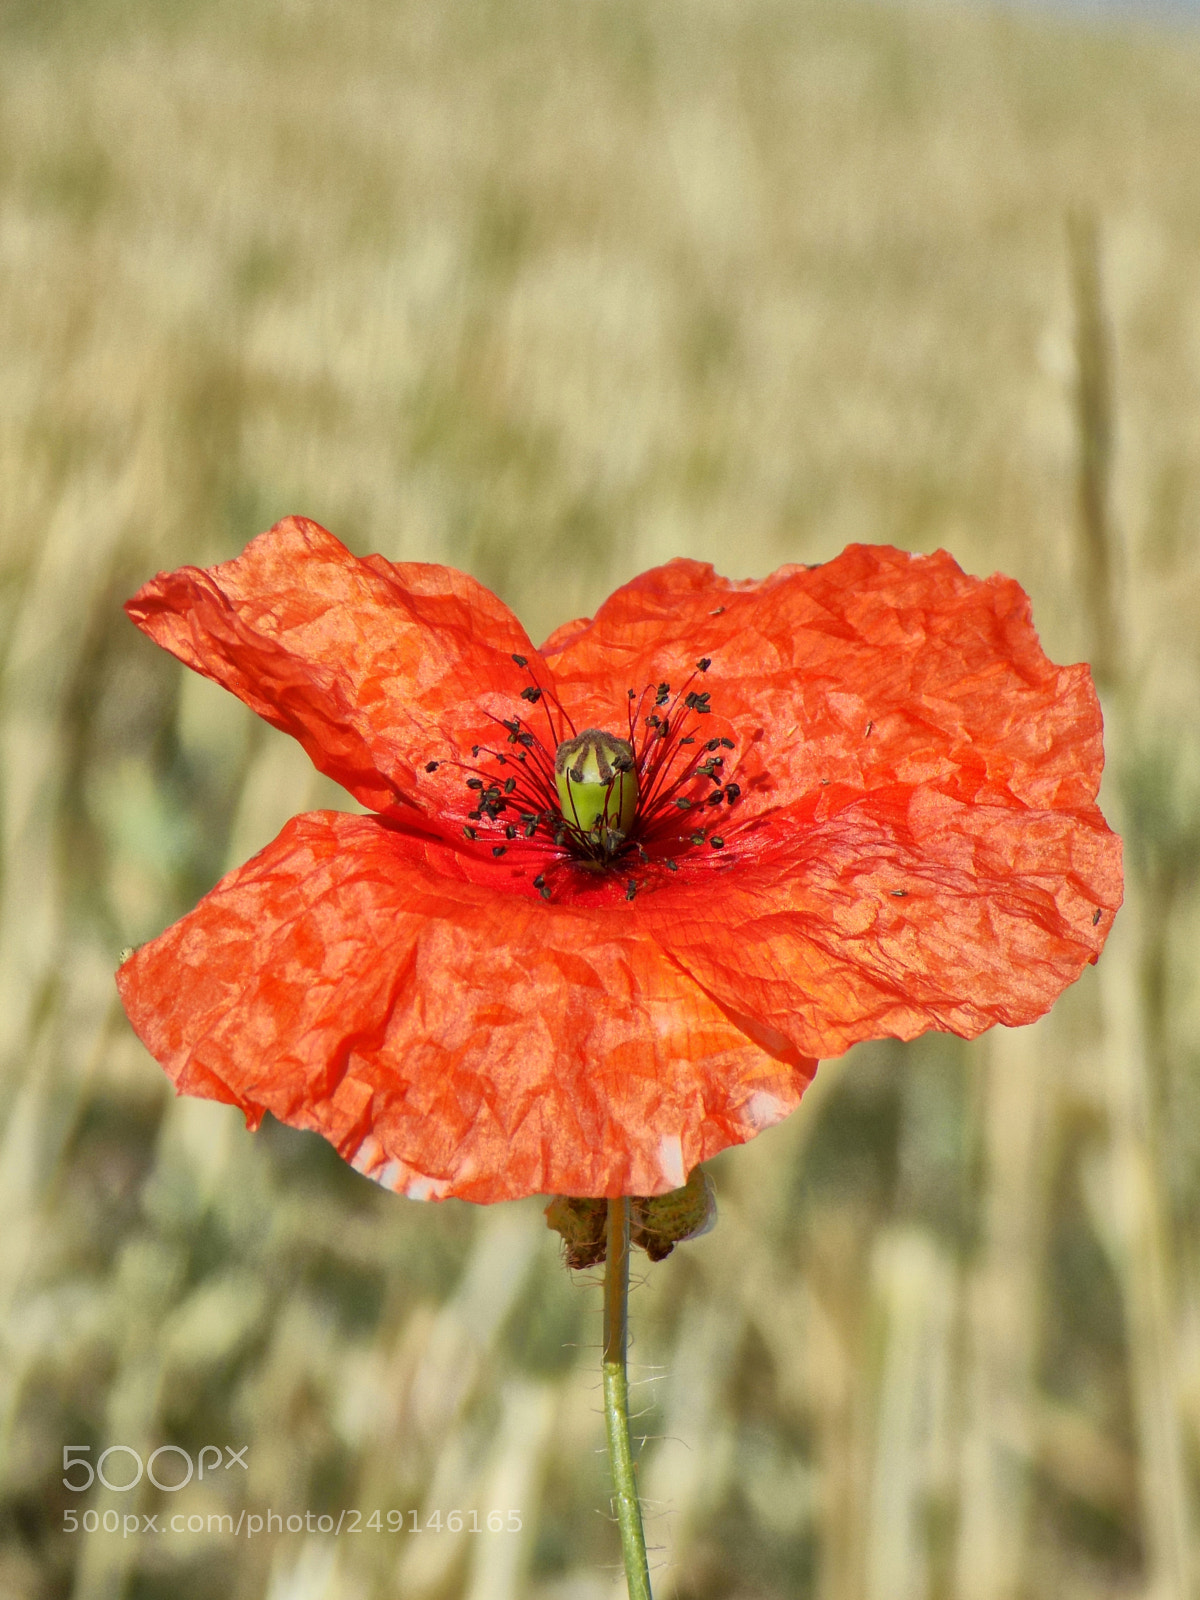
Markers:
point(554, 291)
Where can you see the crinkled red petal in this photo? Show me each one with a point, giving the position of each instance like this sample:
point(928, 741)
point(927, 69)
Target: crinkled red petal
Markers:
point(888, 914)
point(878, 667)
point(916, 843)
point(375, 668)
point(447, 1037)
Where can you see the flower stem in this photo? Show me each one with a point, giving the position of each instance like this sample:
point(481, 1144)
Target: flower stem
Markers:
point(616, 1401)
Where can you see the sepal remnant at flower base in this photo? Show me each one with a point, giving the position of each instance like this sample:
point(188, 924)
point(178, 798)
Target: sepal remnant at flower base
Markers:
point(861, 804)
point(657, 1222)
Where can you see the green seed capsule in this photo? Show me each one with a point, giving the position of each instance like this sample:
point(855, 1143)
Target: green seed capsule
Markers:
point(597, 786)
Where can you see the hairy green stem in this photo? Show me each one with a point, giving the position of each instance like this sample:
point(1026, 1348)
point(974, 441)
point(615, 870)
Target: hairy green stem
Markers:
point(616, 1401)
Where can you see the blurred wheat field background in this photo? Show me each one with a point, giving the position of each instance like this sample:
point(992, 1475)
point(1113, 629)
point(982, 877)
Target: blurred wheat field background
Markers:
point(554, 292)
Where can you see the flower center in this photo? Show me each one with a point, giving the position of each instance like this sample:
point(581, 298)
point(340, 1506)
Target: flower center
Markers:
point(597, 786)
point(597, 802)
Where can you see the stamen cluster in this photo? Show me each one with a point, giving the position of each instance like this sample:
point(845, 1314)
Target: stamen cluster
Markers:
point(516, 798)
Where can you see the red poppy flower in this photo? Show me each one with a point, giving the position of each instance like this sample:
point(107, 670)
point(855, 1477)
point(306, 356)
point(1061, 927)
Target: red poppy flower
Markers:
point(846, 802)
